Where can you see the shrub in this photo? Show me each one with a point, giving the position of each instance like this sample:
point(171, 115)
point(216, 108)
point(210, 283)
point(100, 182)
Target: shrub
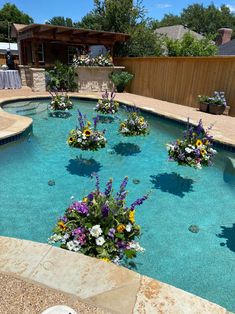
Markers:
point(121, 79)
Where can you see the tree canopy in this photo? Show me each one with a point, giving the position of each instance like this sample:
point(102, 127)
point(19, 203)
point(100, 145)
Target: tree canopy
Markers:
point(205, 20)
point(11, 14)
point(61, 21)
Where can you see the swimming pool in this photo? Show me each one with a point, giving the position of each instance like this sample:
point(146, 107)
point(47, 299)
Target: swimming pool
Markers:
point(40, 173)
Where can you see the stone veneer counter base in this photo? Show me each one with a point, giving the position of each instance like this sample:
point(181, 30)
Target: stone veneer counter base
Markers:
point(113, 288)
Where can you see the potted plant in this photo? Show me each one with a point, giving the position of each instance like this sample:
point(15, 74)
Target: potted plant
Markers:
point(215, 104)
point(121, 79)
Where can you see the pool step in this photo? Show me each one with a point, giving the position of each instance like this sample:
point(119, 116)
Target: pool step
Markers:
point(29, 109)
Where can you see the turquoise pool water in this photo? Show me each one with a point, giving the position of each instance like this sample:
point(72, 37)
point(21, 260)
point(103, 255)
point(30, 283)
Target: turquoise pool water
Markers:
point(202, 263)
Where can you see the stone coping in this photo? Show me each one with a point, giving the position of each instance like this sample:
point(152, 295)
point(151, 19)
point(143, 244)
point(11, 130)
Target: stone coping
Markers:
point(104, 285)
point(12, 125)
point(223, 126)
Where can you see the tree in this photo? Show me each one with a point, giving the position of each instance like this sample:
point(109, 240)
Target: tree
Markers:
point(207, 20)
point(11, 14)
point(170, 20)
point(143, 42)
point(189, 45)
point(61, 21)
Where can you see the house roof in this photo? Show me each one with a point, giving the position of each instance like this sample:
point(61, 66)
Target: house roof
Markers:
point(176, 32)
point(13, 47)
point(227, 49)
point(66, 34)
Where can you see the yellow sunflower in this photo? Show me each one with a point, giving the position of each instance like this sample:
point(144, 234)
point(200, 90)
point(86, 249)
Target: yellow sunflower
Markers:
point(132, 216)
point(87, 132)
point(62, 225)
point(84, 199)
point(203, 152)
point(198, 143)
point(70, 140)
point(105, 259)
point(121, 228)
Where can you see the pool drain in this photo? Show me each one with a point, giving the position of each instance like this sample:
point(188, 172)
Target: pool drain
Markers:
point(136, 181)
point(193, 228)
point(51, 182)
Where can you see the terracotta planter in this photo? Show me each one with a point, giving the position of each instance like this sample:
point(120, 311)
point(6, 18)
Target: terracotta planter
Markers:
point(216, 109)
point(204, 107)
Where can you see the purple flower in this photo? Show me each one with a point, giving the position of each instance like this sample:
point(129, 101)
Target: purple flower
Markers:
point(121, 195)
point(78, 231)
point(105, 210)
point(80, 119)
point(80, 207)
point(64, 219)
point(96, 120)
point(108, 188)
point(111, 233)
point(90, 197)
point(97, 181)
point(138, 202)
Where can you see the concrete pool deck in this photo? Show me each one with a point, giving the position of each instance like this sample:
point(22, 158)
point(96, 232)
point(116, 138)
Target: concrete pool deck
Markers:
point(94, 285)
point(223, 129)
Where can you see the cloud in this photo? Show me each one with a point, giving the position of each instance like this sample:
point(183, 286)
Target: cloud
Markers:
point(163, 5)
point(231, 7)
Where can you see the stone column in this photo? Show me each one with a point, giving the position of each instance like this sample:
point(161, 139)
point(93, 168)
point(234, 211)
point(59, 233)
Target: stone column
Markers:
point(24, 75)
point(38, 79)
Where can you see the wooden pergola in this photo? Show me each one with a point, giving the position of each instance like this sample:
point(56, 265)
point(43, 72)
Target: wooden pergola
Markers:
point(35, 34)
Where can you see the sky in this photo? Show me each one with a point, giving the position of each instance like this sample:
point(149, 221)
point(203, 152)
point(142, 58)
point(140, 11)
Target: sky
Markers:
point(42, 10)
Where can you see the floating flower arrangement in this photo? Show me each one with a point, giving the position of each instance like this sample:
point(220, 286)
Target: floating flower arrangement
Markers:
point(86, 136)
point(195, 150)
point(134, 125)
point(60, 102)
point(107, 105)
point(101, 225)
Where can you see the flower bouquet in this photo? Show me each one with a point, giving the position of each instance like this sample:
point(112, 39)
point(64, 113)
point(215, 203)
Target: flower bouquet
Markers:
point(195, 150)
point(134, 125)
point(100, 60)
point(107, 105)
point(85, 136)
point(60, 102)
point(101, 225)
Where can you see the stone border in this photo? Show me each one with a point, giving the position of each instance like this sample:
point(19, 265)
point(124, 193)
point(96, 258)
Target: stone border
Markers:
point(113, 288)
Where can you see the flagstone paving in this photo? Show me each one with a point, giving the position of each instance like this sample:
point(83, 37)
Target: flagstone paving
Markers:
point(111, 288)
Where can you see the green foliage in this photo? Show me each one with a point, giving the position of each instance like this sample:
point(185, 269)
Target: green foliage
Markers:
point(143, 42)
point(190, 46)
point(61, 21)
point(121, 79)
point(202, 19)
point(11, 14)
point(62, 78)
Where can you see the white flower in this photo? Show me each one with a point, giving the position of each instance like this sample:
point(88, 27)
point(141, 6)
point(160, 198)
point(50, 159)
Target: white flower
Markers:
point(73, 246)
point(54, 238)
point(198, 165)
point(188, 150)
point(79, 140)
point(211, 150)
point(96, 231)
point(169, 147)
point(128, 227)
point(136, 246)
point(100, 241)
point(116, 260)
point(72, 197)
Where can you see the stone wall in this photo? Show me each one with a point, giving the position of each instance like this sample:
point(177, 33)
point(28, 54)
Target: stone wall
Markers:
point(38, 79)
point(33, 77)
point(95, 79)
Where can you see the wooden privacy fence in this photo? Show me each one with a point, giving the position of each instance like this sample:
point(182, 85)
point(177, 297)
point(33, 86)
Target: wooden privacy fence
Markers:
point(182, 79)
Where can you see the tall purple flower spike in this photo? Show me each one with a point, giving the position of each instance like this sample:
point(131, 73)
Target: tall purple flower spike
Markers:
point(108, 188)
point(80, 119)
point(138, 202)
point(96, 120)
point(97, 181)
